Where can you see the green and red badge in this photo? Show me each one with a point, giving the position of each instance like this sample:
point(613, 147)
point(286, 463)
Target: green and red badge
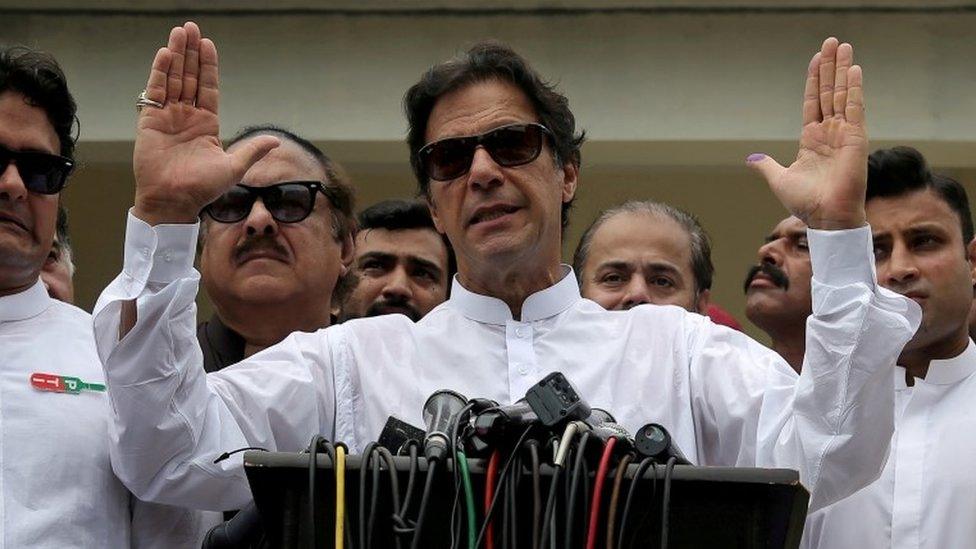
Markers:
point(62, 384)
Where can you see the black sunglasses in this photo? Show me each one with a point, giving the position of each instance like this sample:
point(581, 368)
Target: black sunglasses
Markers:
point(288, 202)
point(508, 146)
point(42, 173)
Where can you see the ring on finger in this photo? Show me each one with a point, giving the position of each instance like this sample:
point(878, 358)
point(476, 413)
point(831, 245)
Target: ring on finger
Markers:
point(143, 101)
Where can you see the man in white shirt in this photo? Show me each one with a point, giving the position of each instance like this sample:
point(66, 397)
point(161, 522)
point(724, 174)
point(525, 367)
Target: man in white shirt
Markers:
point(57, 488)
point(778, 290)
point(923, 242)
point(496, 154)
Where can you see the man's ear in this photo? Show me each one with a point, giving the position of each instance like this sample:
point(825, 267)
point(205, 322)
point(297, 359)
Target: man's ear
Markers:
point(971, 257)
point(348, 252)
point(570, 180)
point(433, 212)
point(704, 298)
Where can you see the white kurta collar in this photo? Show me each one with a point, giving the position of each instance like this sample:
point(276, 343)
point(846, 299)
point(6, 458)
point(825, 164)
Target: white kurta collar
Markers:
point(542, 304)
point(944, 372)
point(29, 303)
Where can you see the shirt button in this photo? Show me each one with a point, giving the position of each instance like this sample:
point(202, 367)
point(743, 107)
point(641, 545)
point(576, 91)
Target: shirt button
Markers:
point(523, 369)
point(519, 332)
point(145, 252)
point(168, 256)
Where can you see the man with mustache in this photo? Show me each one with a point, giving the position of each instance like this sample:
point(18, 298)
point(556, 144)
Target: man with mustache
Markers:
point(274, 249)
point(496, 153)
point(402, 265)
point(778, 290)
point(923, 243)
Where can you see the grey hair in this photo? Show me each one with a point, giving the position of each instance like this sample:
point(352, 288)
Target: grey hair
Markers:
point(701, 247)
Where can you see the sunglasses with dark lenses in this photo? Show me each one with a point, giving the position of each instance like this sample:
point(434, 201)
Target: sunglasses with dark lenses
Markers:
point(288, 202)
point(42, 173)
point(508, 146)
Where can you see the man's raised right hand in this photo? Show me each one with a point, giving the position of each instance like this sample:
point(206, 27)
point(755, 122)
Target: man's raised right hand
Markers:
point(179, 163)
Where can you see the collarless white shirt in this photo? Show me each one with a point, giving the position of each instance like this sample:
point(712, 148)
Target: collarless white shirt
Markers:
point(926, 496)
point(57, 487)
point(726, 399)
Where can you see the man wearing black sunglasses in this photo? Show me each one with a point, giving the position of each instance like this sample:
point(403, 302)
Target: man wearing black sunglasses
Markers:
point(274, 249)
point(496, 154)
point(57, 488)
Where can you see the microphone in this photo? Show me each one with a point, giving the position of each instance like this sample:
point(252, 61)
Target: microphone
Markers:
point(654, 441)
point(440, 410)
point(242, 530)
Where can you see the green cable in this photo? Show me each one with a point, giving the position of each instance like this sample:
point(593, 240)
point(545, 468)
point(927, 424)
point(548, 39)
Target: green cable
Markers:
point(462, 462)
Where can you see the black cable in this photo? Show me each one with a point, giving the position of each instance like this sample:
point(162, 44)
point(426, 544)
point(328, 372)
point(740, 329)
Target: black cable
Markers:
point(666, 501)
point(400, 525)
point(394, 486)
point(424, 503)
point(513, 498)
point(550, 507)
point(501, 475)
point(571, 498)
point(313, 450)
point(363, 466)
point(634, 482)
point(373, 497)
point(536, 491)
point(649, 509)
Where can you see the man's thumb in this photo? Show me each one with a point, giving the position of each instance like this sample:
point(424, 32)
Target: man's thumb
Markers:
point(765, 165)
point(250, 151)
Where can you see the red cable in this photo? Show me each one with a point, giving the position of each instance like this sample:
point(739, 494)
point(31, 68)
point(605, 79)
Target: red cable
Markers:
point(601, 475)
point(489, 495)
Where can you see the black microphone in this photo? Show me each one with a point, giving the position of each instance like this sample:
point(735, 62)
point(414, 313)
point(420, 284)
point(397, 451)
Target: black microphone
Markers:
point(243, 530)
point(440, 410)
point(654, 441)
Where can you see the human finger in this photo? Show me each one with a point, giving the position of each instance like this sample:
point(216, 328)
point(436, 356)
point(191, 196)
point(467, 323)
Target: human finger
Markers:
point(811, 92)
point(156, 85)
point(177, 48)
point(854, 110)
point(770, 169)
point(208, 93)
point(828, 62)
point(191, 64)
point(245, 154)
point(845, 58)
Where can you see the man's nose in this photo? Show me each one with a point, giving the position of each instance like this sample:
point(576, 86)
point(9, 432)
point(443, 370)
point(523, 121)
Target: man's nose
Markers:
point(260, 220)
point(637, 293)
point(11, 184)
point(901, 267)
point(397, 285)
point(484, 173)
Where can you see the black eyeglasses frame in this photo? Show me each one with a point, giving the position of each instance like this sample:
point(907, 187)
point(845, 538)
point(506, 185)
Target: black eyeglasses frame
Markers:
point(479, 141)
point(23, 159)
point(261, 192)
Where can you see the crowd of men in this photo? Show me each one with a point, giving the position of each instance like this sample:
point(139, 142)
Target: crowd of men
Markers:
point(330, 322)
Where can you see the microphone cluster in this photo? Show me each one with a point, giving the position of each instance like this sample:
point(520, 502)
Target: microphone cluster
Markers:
point(552, 430)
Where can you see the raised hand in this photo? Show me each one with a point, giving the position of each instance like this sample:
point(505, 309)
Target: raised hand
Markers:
point(825, 186)
point(179, 163)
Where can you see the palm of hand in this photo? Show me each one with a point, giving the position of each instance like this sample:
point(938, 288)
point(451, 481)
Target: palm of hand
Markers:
point(177, 154)
point(828, 176)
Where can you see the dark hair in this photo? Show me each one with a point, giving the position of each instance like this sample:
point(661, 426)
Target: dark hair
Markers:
point(487, 61)
point(342, 199)
point(902, 170)
point(701, 248)
point(396, 215)
point(38, 77)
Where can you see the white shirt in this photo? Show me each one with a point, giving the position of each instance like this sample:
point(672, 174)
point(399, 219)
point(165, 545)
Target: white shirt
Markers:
point(57, 488)
point(726, 399)
point(926, 496)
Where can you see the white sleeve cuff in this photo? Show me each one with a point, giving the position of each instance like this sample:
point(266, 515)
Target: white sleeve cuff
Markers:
point(161, 253)
point(841, 258)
